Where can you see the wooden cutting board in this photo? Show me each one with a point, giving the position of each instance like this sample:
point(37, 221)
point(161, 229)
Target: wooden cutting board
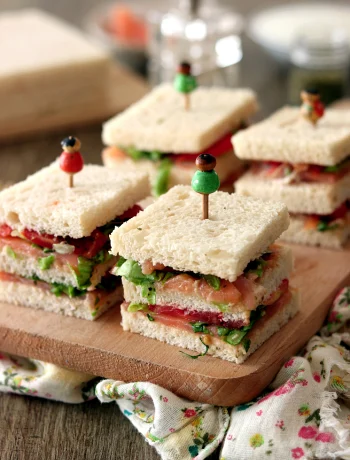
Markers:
point(103, 349)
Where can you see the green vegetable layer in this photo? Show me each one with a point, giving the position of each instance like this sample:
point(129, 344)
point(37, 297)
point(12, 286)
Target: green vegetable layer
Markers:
point(232, 336)
point(161, 183)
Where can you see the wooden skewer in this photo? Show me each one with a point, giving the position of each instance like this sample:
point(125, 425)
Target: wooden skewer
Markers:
point(187, 101)
point(205, 207)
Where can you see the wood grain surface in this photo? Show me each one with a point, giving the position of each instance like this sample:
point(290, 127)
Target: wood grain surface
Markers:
point(102, 348)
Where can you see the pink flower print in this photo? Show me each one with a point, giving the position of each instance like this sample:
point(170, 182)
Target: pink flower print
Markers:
point(307, 432)
point(229, 437)
point(289, 363)
point(48, 395)
point(172, 430)
point(317, 377)
point(259, 413)
point(333, 317)
point(188, 413)
point(297, 452)
point(280, 424)
point(325, 437)
point(165, 399)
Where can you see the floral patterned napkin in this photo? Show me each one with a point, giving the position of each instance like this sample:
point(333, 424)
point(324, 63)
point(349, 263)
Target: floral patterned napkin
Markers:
point(304, 414)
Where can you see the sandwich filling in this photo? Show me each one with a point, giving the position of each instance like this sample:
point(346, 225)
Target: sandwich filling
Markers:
point(222, 293)
point(296, 173)
point(338, 220)
point(166, 160)
point(86, 259)
point(208, 324)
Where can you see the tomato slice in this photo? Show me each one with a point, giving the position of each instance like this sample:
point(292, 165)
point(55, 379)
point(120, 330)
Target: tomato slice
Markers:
point(217, 149)
point(316, 173)
point(5, 231)
point(129, 213)
point(208, 317)
point(41, 239)
point(89, 246)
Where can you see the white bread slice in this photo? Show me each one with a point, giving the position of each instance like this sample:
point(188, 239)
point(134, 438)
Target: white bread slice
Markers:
point(171, 231)
point(159, 121)
point(45, 203)
point(303, 197)
point(286, 137)
point(35, 297)
point(268, 284)
point(297, 233)
point(262, 330)
point(226, 165)
point(24, 265)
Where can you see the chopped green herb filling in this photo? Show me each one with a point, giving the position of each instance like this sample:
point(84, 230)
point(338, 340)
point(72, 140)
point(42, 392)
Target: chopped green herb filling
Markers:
point(198, 326)
point(200, 354)
point(83, 272)
point(324, 226)
point(10, 252)
point(213, 281)
point(46, 262)
point(137, 307)
point(161, 183)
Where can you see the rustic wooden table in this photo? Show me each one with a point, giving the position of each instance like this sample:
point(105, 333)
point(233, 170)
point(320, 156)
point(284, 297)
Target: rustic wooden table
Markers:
point(44, 430)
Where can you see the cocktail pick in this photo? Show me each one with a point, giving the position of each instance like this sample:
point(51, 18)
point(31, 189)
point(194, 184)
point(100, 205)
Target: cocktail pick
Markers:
point(205, 181)
point(71, 161)
point(185, 82)
point(311, 108)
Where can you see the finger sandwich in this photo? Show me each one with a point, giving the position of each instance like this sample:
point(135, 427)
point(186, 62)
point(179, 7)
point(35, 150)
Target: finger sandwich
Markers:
point(305, 166)
point(161, 137)
point(54, 240)
point(218, 286)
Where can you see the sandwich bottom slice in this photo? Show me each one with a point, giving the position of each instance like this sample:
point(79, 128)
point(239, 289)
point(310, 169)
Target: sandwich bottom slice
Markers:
point(234, 346)
point(40, 295)
point(313, 231)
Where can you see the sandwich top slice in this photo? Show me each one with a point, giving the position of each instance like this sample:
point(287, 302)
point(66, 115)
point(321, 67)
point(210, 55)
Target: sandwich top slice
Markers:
point(54, 240)
point(185, 278)
point(163, 138)
point(287, 138)
point(306, 167)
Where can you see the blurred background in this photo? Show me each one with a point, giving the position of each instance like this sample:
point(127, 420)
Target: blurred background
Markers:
point(275, 47)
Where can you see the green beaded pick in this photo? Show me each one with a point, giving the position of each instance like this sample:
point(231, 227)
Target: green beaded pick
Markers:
point(185, 83)
point(205, 182)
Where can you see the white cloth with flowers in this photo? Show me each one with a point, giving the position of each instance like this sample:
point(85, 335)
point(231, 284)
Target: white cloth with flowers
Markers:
point(304, 414)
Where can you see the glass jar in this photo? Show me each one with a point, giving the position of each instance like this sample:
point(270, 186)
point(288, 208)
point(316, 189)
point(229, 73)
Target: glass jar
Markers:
point(202, 33)
point(319, 58)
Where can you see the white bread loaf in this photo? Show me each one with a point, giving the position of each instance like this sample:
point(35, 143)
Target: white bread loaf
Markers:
point(45, 203)
point(35, 297)
point(226, 165)
point(25, 265)
point(268, 284)
point(171, 231)
point(287, 137)
point(262, 330)
point(53, 44)
point(303, 197)
point(159, 121)
point(297, 233)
